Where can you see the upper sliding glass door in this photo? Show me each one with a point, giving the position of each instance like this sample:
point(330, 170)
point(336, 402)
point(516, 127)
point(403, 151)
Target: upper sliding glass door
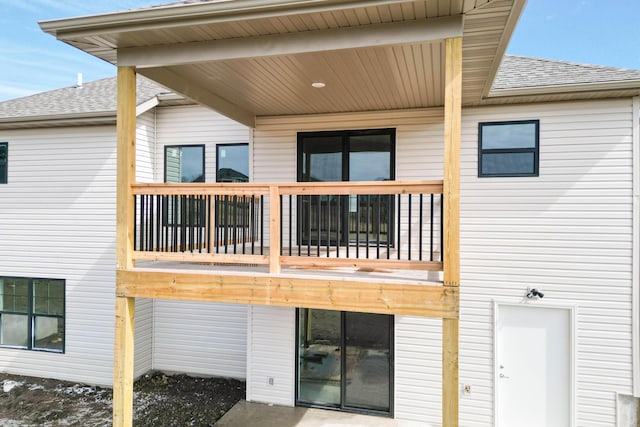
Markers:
point(367, 155)
point(345, 360)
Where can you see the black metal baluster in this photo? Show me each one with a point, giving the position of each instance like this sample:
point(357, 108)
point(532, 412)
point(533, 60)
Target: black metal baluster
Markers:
point(261, 225)
point(319, 224)
point(174, 223)
point(150, 235)
point(281, 221)
point(338, 225)
point(399, 222)
point(378, 224)
point(390, 199)
point(290, 221)
point(253, 231)
point(328, 216)
point(225, 222)
point(409, 227)
point(431, 230)
point(143, 221)
point(235, 224)
point(441, 230)
point(367, 214)
point(357, 226)
point(420, 231)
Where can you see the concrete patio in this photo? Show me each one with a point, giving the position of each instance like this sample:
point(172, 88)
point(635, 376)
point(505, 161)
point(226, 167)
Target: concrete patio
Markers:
point(249, 414)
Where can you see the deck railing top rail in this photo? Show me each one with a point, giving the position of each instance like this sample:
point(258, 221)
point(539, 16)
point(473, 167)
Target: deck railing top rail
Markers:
point(293, 188)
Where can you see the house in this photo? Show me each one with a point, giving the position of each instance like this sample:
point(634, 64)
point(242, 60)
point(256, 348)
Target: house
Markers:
point(431, 230)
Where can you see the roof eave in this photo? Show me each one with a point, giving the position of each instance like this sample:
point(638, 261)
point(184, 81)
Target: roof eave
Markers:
point(568, 88)
point(183, 14)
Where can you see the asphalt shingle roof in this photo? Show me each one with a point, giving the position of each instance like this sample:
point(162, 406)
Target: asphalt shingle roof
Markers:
point(98, 96)
point(518, 72)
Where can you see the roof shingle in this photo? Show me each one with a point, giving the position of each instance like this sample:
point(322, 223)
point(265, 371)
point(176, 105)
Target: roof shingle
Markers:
point(98, 96)
point(518, 72)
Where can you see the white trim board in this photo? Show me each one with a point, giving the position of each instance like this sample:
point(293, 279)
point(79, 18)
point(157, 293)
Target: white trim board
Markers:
point(635, 278)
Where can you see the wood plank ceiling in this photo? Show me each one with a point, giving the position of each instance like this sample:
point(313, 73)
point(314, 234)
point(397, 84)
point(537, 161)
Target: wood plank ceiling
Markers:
point(365, 79)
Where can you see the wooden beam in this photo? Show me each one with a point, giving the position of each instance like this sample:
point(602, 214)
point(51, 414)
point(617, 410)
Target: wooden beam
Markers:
point(295, 188)
point(125, 307)
point(123, 362)
point(389, 264)
point(330, 293)
point(355, 37)
point(212, 257)
point(451, 224)
point(199, 93)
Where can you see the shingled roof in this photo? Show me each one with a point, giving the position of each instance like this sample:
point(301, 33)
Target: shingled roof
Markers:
point(518, 72)
point(98, 98)
point(93, 98)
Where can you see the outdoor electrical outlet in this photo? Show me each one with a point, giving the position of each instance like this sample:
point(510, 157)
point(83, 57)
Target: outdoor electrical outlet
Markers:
point(270, 380)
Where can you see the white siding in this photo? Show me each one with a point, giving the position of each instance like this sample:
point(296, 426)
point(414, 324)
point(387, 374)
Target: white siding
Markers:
point(143, 346)
point(57, 220)
point(145, 158)
point(566, 232)
point(200, 338)
point(272, 354)
point(145, 146)
point(195, 125)
point(418, 369)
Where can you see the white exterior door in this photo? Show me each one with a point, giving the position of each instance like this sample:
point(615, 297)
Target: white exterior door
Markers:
point(534, 373)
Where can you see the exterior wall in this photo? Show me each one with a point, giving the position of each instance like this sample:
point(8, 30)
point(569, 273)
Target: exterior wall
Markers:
point(195, 125)
point(194, 337)
point(272, 355)
point(145, 158)
point(567, 232)
point(200, 338)
point(57, 220)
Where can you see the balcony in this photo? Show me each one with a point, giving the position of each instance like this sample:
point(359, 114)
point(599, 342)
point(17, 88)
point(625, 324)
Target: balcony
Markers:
point(361, 226)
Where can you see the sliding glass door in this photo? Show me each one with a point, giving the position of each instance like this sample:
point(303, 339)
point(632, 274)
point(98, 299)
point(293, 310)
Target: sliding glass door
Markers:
point(345, 360)
point(366, 155)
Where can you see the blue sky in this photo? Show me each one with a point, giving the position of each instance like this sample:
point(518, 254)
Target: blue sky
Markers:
point(586, 31)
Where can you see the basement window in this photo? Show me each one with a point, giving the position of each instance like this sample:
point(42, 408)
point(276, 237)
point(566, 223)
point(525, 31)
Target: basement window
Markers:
point(4, 156)
point(32, 313)
point(508, 148)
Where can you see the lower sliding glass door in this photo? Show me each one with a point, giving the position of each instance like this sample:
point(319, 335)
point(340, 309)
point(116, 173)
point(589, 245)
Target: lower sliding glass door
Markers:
point(345, 361)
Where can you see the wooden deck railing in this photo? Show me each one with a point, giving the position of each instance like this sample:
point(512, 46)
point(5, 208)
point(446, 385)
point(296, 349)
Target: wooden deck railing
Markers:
point(391, 224)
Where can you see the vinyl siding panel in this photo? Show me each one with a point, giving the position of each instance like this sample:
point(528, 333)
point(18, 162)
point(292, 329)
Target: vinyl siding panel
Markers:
point(272, 348)
point(200, 338)
point(57, 220)
point(145, 164)
point(145, 146)
point(566, 232)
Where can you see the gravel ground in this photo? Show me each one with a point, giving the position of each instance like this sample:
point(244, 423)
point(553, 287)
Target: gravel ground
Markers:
point(159, 400)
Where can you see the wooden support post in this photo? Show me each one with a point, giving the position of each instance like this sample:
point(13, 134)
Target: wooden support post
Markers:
point(451, 224)
point(125, 306)
point(274, 229)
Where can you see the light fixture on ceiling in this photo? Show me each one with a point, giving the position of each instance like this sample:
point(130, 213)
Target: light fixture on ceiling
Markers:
point(318, 85)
